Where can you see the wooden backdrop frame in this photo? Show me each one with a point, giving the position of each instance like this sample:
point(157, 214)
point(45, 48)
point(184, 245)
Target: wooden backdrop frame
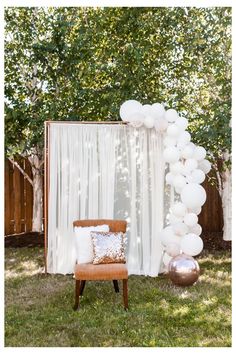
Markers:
point(47, 170)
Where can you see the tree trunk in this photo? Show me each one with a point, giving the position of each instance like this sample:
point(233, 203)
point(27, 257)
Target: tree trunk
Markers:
point(36, 164)
point(226, 204)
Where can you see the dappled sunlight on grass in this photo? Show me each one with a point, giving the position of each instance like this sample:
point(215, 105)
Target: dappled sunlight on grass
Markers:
point(160, 313)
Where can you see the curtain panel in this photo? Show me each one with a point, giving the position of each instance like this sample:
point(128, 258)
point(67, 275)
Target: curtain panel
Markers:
point(106, 171)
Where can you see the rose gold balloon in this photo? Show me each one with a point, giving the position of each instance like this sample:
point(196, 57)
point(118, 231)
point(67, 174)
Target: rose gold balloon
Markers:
point(183, 270)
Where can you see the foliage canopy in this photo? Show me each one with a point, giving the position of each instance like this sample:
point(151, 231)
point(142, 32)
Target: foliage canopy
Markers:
point(82, 63)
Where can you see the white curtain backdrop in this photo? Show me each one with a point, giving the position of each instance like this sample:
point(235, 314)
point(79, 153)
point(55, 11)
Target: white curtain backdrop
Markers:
point(106, 171)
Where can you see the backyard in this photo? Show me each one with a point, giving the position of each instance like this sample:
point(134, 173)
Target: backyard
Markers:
point(38, 307)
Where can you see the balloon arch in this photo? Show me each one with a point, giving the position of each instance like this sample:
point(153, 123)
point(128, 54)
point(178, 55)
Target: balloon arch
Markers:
point(187, 170)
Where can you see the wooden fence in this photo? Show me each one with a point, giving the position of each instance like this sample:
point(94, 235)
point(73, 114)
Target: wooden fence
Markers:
point(18, 198)
point(19, 202)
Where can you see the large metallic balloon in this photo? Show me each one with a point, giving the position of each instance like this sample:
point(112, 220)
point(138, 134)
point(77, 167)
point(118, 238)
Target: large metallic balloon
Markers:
point(183, 270)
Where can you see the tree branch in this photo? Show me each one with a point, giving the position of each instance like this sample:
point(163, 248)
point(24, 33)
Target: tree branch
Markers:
point(22, 171)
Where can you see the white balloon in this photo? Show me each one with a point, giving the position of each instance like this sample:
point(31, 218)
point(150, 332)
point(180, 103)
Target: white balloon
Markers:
point(136, 117)
point(199, 153)
point(179, 209)
point(179, 182)
point(146, 109)
point(190, 219)
point(173, 249)
point(198, 176)
point(175, 219)
point(166, 259)
point(169, 178)
point(169, 141)
point(171, 154)
point(171, 115)
point(173, 131)
point(158, 109)
point(196, 210)
point(187, 152)
point(160, 124)
point(129, 107)
point(189, 177)
point(136, 124)
point(193, 195)
point(205, 166)
point(190, 164)
point(196, 229)
point(176, 167)
point(182, 123)
point(180, 229)
point(178, 190)
point(167, 235)
point(191, 244)
point(149, 122)
point(183, 139)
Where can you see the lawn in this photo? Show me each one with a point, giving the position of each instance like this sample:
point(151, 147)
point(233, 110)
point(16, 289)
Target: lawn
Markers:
point(38, 308)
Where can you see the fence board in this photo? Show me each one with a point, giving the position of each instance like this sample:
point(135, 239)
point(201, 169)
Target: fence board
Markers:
point(17, 199)
point(28, 199)
point(7, 199)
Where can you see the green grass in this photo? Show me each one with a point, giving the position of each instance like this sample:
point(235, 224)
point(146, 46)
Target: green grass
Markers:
point(38, 308)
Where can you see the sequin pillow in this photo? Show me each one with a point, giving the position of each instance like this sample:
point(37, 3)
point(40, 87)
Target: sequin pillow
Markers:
point(108, 247)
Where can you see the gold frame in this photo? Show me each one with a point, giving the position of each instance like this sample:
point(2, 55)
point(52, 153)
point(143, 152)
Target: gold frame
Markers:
point(47, 169)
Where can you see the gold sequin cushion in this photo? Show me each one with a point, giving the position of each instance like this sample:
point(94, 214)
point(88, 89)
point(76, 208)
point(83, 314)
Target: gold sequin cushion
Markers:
point(108, 247)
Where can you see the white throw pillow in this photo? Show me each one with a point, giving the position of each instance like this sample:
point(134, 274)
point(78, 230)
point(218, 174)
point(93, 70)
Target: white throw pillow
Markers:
point(84, 245)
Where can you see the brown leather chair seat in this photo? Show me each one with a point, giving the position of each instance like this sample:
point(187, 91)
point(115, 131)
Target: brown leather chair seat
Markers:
point(89, 271)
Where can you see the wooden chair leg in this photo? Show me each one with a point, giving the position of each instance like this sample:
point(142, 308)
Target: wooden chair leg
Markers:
point(82, 287)
point(77, 293)
point(116, 286)
point(125, 293)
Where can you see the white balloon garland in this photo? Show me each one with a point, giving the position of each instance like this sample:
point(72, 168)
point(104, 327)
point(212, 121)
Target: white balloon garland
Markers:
point(187, 169)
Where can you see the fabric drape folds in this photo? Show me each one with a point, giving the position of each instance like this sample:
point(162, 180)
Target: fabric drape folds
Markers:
point(106, 171)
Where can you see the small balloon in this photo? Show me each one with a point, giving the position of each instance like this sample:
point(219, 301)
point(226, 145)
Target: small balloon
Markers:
point(179, 182)
point(205, 166)
point(182, 123)
point(161, 124)
point(176, 167)
point(146, 109)
point(169, 178)
point(196, 229)
point(198, 176)
point(175, 219)
point(190, 219)
point(171, 115)
point(187, 151)
point(180, 229)
point(171, 154)
point(169, 141)
point(173, 249)
point(149, 122)
point(159, 110)
point(129, 107)
point(190, 164)
point(173, 131)
point(191, 244)
point(179, 209)
point(199, 153)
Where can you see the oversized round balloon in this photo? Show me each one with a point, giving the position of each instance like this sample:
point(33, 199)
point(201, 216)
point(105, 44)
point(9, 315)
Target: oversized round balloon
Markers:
point(171, 115)
point(136, 117)
point(193, 195)
point(129, 107)
point(171, 154)
point(173, 249)
point(183, 270)
point(191, 244)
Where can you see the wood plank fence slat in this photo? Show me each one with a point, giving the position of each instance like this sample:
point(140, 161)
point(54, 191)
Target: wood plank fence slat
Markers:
point(28, 199)
point(7, 199)
point(17, 199)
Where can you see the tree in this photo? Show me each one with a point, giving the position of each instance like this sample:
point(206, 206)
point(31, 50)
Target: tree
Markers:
point(82, 63)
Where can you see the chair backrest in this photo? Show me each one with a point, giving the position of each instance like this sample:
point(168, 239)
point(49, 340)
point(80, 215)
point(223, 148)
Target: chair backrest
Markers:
point(114, 225)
